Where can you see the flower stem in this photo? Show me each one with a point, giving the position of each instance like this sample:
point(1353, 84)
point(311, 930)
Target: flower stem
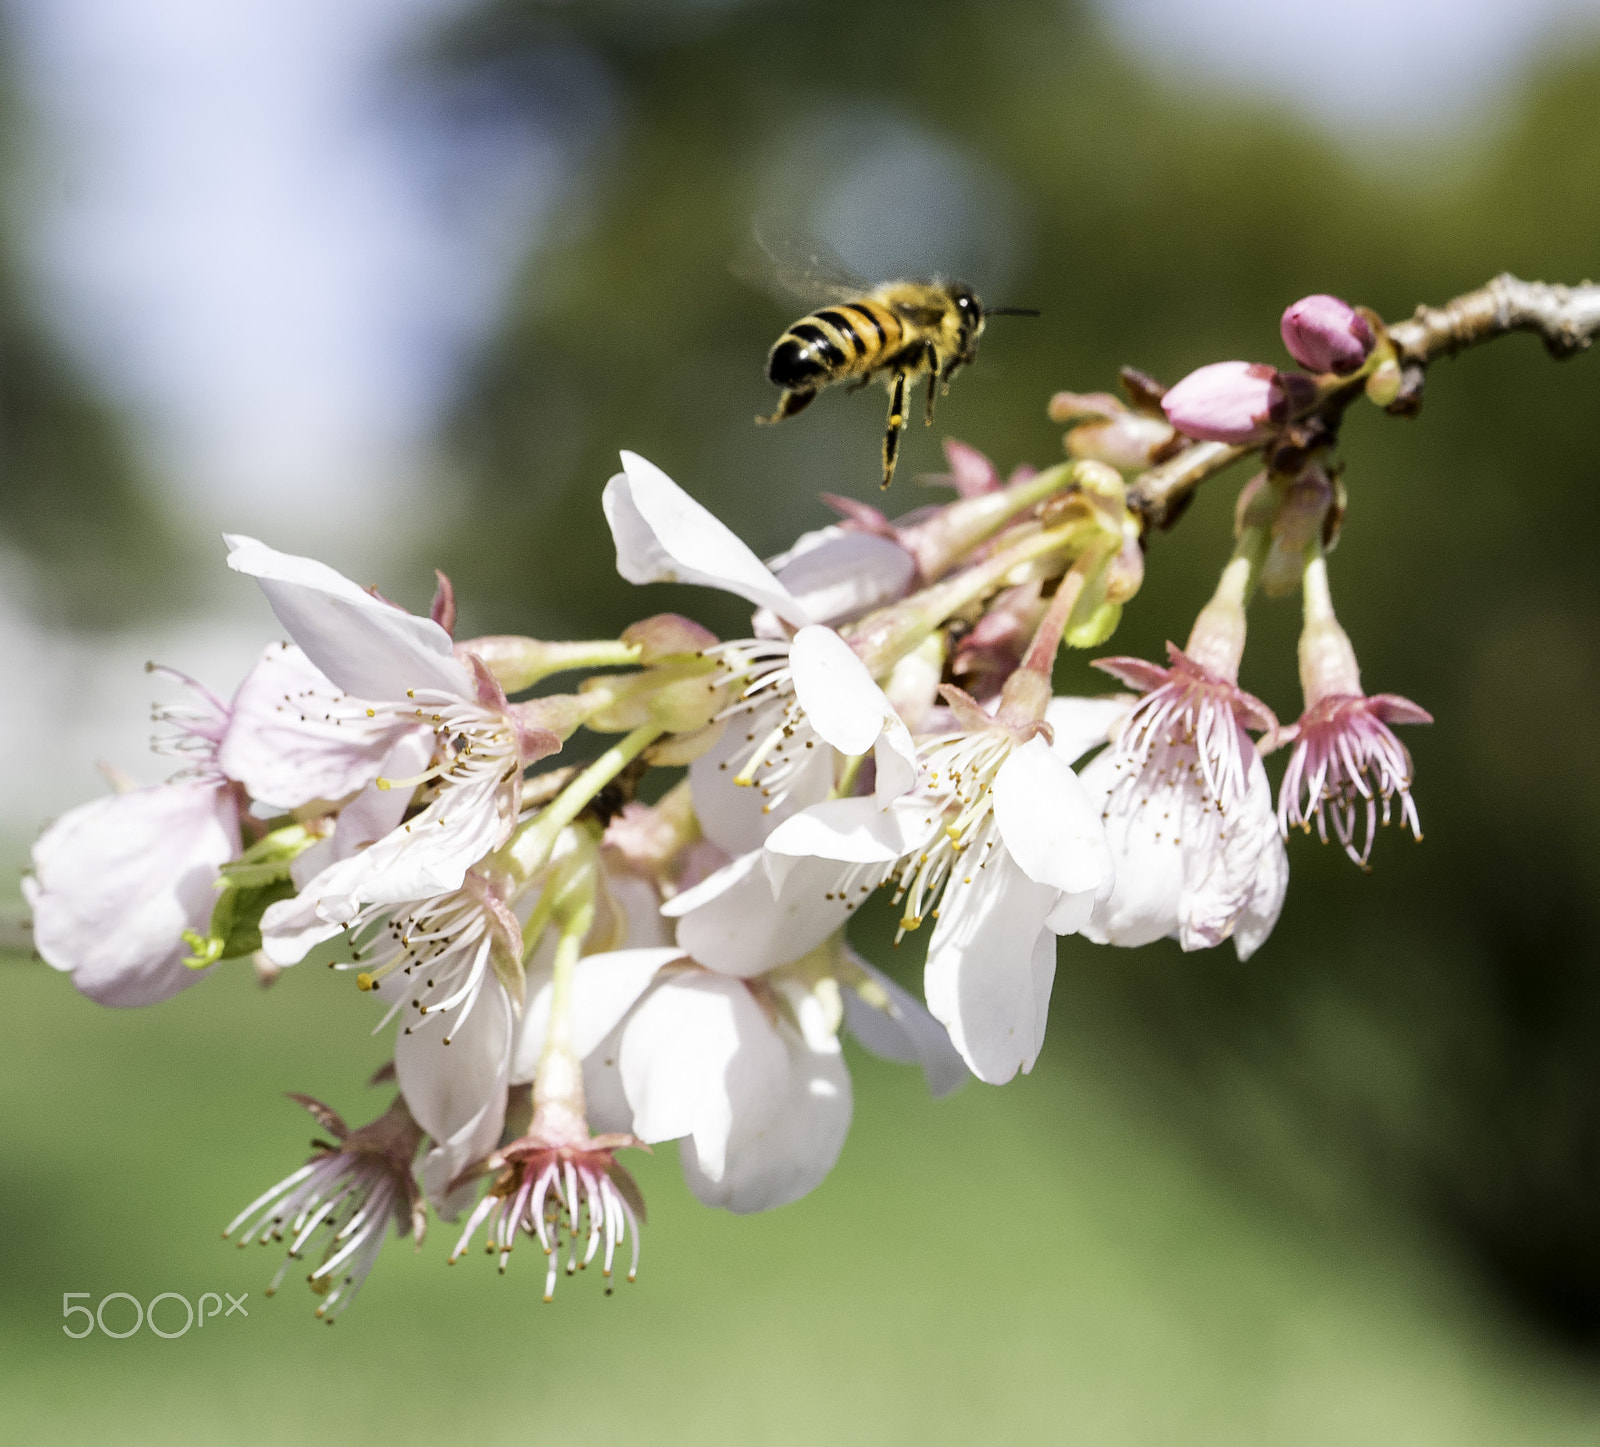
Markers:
point(558, 1100)
point(1027, 691)
point(1327, 659)
point(1217, 639)
point(529, 848)
point(882, 638)
point(941, 542)
point(518, 663)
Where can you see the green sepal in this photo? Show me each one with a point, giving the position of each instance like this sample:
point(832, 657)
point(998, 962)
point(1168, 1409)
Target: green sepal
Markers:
point(246, 887)
point(1092, 631)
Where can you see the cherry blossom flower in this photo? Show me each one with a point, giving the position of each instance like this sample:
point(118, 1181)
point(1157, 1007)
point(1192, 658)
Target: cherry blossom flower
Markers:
point(800, 699)
point(1188, 812)
point(405, 669)
point(999, 843)
point(1347, 762)
point(745, 1073)
point(345, 1196)
point(547, 1180)
point(118, 883)
point(1346, 759)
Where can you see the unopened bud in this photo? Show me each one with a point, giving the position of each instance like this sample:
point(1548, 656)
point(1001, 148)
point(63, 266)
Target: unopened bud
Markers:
point(665, 635)
point(1233, 402)
point(1325, 334)
point(1081, 406)
point(1128, 441)
point(1383, 386)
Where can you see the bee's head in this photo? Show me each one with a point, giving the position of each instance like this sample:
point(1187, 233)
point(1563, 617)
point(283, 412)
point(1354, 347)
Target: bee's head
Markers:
point(969, 309)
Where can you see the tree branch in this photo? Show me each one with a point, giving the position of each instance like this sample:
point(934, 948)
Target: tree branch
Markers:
point(1566, 318)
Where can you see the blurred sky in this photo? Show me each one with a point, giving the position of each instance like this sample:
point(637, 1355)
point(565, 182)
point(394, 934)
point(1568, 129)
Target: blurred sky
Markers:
point(260, 241)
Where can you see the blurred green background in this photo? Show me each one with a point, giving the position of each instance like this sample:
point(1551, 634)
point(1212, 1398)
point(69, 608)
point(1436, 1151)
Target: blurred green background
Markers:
point(1347, 1192)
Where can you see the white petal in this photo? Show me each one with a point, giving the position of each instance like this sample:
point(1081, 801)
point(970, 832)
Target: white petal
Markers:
point(1266, 900)
point(1221, 881)
point(294, 737)
point(1072, 912)
point(117, 881)
point(895, 760)
point(1049, 823)
point(664, 536)
point(639, 903)
point(604, 1098)
point(904, 1031)
point(853, 831)
point(697, 1050)
point(373, 812)
point(457, 1092)
point(832, 685)
point(365, 646)
point(1081, 724)
point(292, 928)
point(991, 963)
point(425, 856)
point(777, 1158)
point(735, 923)
point(604, 988)
point(842, 575)
point(1147, 851)
point(734, 816)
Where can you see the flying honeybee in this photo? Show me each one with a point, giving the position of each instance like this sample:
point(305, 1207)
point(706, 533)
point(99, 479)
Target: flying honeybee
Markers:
point(898, 331)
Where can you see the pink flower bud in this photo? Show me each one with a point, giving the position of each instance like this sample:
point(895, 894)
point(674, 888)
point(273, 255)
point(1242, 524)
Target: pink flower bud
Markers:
point(1325, 334)
point(1235, 402)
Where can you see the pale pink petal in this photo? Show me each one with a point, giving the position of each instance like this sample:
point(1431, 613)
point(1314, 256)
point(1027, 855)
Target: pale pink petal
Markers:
point(1219, 887)
point(735, 816)
point(663, 535)
point(904, 1031)
point(1147, 850)
point(694, 1053)
point(735, 923)
point(604, 989)
point(837, 576)
point(1049, 824)
point(991, 963)
point(1266, 900)
point(850, 831)
point(294, 737)
point(841, 701)
point(774, 1157)
point(364, 645)
point(116, 882)
point(457, 1092)
point(1081, 724)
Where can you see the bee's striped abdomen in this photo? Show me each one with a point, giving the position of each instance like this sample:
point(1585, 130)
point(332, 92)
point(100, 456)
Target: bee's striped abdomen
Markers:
point(839, 341)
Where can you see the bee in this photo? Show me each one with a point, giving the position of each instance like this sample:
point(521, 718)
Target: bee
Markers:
point(899, 331)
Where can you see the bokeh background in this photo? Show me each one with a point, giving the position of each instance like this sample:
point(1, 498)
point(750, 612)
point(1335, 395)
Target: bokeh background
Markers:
point(393, 281)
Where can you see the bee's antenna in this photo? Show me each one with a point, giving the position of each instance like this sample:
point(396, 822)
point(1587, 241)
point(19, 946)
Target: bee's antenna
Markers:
point(1010, 311)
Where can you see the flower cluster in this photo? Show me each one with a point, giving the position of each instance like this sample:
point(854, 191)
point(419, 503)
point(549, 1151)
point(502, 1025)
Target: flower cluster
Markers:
point(581, 960)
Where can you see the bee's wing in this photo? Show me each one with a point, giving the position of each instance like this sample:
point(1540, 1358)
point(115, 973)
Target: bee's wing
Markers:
point(800, 269)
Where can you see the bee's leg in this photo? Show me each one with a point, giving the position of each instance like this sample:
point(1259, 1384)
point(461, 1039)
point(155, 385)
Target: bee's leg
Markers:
point(897, 422)
point(932, 357)
point(794, 399)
